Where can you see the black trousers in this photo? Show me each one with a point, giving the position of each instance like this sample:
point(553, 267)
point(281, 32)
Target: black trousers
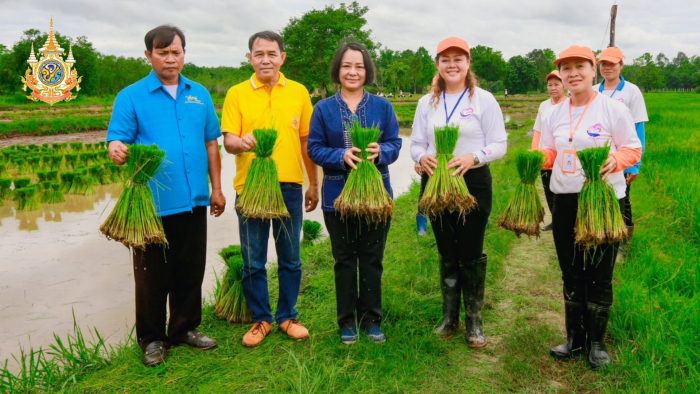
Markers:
point(587, 273)
point(356, 244)
point(627, 208)
point(546, 176)
point(171, 275)
point(423, 181)
point(463, 240)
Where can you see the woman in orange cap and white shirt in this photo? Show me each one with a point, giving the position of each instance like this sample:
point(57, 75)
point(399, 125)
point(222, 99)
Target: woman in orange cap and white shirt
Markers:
point(588, 119)
point(617, 88)
point(555, 88)
point(455, 99)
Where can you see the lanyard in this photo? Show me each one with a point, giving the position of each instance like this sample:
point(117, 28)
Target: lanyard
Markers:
point(618, 88)
point(444, 101)
point(573, 131)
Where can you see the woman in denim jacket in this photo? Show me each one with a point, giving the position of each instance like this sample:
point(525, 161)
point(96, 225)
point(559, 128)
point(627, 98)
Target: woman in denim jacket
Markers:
point(354, 242)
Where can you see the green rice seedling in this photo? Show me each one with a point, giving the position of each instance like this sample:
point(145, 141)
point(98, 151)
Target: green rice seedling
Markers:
point(445, 192)
point(261, 197)
point(54, 194)
point(6, 193)
point(66, 181)
point(97, 172)
point(71, 161)
point(134, 220)
point(22, 182)
point(84, 185)
point(41, 176)
point(33, 147)
point(33, 164)
point(45, 191)
point(27, 199)
point(599, 220)
point(312, 232)
point(84, 159)
point(525, 212)
point(52, 176)
point(76, 147)
point(364, 195)
point(3, 170)
point(230, 303)
point(56, 163)
point(21, 167)
point(114, 172)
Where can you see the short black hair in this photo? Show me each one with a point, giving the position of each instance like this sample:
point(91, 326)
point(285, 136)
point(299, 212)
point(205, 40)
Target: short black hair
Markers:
point(266, 35)
point(162, 36)
point(370, 71)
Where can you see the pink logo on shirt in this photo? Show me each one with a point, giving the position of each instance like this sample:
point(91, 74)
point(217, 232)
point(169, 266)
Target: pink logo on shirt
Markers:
point(595, 130)
point(621, 100)
point(467, 112)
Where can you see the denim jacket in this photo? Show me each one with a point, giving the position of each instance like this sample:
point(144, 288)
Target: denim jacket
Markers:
point(328, 140)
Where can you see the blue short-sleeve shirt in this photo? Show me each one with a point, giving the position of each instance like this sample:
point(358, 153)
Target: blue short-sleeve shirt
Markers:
point(145, 113)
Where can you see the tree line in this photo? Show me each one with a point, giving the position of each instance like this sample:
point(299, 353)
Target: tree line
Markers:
point(410, 71)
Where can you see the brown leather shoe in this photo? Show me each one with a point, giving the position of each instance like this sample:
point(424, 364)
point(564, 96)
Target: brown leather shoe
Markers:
point(256, 334)
point(294, 329)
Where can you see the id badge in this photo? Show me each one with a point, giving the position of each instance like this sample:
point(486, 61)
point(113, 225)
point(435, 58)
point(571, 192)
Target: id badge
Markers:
point(568, 164)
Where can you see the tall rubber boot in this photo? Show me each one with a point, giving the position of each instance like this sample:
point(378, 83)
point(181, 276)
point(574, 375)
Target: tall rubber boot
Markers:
point(473, 278)
point(451, 298)
point(575, 332)
point(596, 323)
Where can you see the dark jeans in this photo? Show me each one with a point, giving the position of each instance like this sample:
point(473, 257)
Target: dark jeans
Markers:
point(587, 273)
point(461, 240)
point(172, 275)
point(546, 176)
point(357, 244)
point(627, 208)
point(254, 235)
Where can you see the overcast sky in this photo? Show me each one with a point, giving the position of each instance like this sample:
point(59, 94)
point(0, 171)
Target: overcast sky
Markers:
point(217, 33)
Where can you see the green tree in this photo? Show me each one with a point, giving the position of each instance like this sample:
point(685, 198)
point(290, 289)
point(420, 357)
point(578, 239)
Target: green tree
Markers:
point(648, 76)
point(312, 40)
point(542, 60)
point(488, 64)
point(521, 76)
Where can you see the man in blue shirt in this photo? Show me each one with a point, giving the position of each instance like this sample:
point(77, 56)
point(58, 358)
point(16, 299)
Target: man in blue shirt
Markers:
point(178, 115)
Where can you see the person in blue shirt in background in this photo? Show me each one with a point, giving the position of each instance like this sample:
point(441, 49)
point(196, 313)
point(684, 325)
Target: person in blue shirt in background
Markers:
point(354, 242)
point(178, 115)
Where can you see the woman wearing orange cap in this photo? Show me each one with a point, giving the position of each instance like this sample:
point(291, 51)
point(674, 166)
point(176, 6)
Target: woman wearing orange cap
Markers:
point(455, 99)
point(586, 120)
point(617, 88)
point(555, 87)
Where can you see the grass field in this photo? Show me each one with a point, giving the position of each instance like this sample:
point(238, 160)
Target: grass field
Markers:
point(654, 333)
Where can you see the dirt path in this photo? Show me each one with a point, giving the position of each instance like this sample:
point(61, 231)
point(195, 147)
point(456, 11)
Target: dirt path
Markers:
point(89, 137)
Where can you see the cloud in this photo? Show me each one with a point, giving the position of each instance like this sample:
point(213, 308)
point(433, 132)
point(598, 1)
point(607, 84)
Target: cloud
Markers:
point(217, 31)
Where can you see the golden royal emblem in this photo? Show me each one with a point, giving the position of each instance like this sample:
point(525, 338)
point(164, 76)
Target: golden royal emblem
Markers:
point(50, 78)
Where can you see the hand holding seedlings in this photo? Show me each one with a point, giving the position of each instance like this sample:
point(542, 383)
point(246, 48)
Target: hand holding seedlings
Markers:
point(374, 149)
point(351, 159)
point(428, 162)
point(418, 169)
point(462, 163)
point(248, 142)
point(609, 167)
point(117, 152)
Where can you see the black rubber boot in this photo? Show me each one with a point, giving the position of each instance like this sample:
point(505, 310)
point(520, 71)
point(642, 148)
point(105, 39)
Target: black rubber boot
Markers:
point(473, 278)
point(575, 332)
point(451, 298)
point(596, 323)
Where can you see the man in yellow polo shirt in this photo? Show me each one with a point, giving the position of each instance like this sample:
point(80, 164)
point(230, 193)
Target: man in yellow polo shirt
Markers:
point(270, 99)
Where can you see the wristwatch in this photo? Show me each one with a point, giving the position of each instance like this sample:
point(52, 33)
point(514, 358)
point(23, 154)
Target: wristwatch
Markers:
point(476, 159)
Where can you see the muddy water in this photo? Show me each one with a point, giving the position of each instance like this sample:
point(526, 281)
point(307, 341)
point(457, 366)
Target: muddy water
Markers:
point(55, 262)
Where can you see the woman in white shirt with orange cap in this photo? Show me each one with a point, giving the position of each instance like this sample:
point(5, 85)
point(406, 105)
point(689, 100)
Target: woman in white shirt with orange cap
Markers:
point(457, 100)
point(555, 88)
point(588, 119)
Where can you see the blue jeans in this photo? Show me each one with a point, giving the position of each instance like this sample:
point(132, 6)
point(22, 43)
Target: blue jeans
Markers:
point(254, 235)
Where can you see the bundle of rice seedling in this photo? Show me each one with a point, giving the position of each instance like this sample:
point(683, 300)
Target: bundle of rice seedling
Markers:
point(134, 220)
point(261, 197)
point(71, 161)
point(312, 232)
point(22, 182)
point(230, 302)
point(445, 192)
point(364, 195)
point(599, 220)
point(33, 164)
point(53, 195)
point(3, 170)
point(76, 147)
point(114, 172)
point(52, 176)
point(67, 181)
point(27, 199)
point(45, 190)
point(97, 172)
point(524, 212)
point(6, 193)
point(21, 167)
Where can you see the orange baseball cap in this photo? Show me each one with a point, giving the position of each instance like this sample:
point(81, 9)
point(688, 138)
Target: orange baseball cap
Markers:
point(574, 52)
point(453, 42)
point(612, 55)
point(553, 74)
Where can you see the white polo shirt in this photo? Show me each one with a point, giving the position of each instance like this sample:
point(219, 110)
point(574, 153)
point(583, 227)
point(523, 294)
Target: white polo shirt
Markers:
point(630, 95)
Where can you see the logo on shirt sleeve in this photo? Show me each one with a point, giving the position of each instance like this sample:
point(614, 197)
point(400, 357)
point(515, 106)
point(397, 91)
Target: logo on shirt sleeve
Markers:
point(595, 130)
point(295, 122)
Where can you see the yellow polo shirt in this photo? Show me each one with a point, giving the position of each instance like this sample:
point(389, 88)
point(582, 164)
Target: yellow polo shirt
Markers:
point(252, 105)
